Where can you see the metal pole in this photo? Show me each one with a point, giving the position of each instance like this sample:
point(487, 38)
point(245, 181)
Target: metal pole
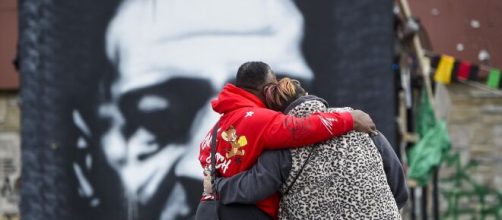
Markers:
point(424, 198)
point(413, 214)
point(435, 194)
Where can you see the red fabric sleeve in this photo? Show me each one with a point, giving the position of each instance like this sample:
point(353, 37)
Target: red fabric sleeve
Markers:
point(286, 131)
point(205, 149)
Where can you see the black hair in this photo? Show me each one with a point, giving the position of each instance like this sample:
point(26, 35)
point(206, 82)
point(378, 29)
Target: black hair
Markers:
point(252, 75)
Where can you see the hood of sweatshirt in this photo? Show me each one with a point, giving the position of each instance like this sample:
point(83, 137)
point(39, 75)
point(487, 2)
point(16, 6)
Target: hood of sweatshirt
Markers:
point(232, 98)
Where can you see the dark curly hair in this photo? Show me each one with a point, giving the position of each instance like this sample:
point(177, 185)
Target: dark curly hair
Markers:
point(252, 75)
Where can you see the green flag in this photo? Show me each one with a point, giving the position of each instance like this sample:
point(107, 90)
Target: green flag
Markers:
point(425, 118)
point(428, 153)
point(433, 146)
point(493, 79)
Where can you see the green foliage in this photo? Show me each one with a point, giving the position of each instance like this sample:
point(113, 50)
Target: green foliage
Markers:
point(434, 143)
point(464, 187)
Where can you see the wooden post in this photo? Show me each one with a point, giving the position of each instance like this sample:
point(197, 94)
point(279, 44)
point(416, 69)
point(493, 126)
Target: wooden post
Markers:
point(423, 61)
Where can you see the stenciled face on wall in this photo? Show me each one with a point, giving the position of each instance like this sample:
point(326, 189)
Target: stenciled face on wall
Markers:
point(171, 58)
point(148, 130)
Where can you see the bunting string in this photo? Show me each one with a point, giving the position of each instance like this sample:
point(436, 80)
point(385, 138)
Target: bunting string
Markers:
point(448, 69)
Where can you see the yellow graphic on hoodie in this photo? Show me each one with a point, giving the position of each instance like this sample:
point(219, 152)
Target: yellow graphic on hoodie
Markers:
point(230, 136)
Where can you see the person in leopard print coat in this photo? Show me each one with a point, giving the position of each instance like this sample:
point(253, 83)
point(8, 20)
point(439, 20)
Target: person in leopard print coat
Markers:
point(342, 178)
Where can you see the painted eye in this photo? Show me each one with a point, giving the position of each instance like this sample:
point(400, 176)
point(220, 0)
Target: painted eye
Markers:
point(151, 103)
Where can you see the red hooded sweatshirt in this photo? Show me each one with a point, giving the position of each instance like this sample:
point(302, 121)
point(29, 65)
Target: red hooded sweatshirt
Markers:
point(247, 128)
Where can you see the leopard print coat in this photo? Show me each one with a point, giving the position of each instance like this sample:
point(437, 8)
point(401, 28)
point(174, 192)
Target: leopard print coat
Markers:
point(344, 178)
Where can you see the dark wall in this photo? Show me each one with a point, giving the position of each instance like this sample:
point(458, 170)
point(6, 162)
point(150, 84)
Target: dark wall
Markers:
point(62, 58)
point(349, 46)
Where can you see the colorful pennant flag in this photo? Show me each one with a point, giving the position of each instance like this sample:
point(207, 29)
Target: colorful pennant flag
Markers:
point(494, 79)
point(464, 68)
point(448, 69)
point(473, 74)
point(454, 71)
point(444, 70)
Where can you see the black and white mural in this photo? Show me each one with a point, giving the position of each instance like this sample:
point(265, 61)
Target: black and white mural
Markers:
point(128, 85)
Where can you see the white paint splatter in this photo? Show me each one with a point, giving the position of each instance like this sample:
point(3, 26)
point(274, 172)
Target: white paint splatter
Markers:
point(80, 123)
point(88, 161)
point(483, 55)
point(95, 202)
point(81, 143)
point(152, 103)
point(435, 11)
point(460, 47)
point(85, 187)
point(475, 24)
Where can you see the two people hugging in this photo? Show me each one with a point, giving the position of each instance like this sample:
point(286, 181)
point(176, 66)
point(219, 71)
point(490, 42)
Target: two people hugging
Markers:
point(278, 153)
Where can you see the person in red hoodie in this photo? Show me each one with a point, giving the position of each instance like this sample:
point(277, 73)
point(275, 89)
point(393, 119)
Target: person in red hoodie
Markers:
point(246, 128)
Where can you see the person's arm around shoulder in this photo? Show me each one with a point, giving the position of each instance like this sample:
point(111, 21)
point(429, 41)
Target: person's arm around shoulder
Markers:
point(286, 131)
point(257, 183)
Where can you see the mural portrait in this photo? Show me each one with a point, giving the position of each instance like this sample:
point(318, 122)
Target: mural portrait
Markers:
point(116, 93)
point(170, 59)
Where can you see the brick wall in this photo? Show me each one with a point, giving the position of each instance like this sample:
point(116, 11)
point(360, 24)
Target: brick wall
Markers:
point(10, 165)
point(475, 128)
